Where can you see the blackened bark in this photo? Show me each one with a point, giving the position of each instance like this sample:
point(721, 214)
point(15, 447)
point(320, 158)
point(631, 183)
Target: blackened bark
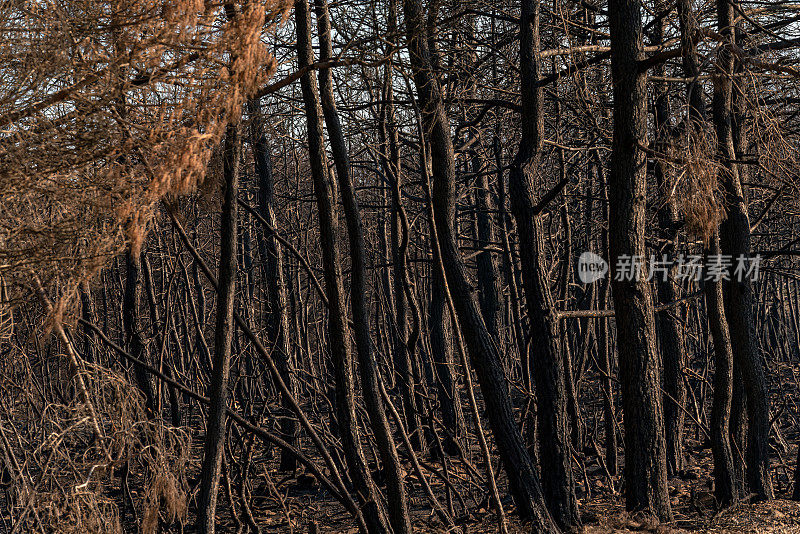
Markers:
point(688, 25)
point(523, 480)
point(548, 364)
point(727, 485)
point(273, 273)
point(174, 402)
point(739, 300)
point(132, 328)
point(324, 192)
point(223, 337)
point(606, 355)
point(368, 366)
point(87, 314)
point(645, 446)
point(442, 353)
point(669, 329)
point(403, 340)
point(739, 423)
point(510, 270)
point(488, 279)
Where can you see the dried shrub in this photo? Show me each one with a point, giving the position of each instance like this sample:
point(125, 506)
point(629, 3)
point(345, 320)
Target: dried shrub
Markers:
point(696, 184)
point(105, 108)
point(69, 477)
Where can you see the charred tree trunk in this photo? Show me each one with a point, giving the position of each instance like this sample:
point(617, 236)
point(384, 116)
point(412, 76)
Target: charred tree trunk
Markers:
point(87, 314)
point(174, 402)
point(739, 300)
point(223, 337)
point(604, 329)
point(640, 373)
point(523, 480)
point(133, 329)
point(510, 270)
point(548, 364)
point(367, 364)
point(728, 486)
point(442, 353)
point(488, 276)
point(404, 341)
point(668, 323)
point(273, 273)
point(339, 343)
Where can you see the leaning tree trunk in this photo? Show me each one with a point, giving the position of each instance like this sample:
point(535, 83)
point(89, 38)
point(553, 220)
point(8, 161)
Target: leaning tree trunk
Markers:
point(368, 366)
point(548, 365)
point(223, 336)
point(523, 479)
point(645, 446)
point(338, 334)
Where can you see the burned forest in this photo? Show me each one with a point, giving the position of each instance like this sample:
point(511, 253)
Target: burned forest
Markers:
point(399, 266)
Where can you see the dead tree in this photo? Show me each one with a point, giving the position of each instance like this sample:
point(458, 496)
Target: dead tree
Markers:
point(223, 336)
point(273, 269)
point(735, 241)
point(523, 479)
point(640, 372)
point(367, 364)
point(525, 175)
point(339, 344)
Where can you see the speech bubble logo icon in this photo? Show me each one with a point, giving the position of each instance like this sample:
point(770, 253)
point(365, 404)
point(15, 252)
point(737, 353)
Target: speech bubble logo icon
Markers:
point(591, 267)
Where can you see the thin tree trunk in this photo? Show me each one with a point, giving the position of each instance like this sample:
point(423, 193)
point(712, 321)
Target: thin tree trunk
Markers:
point(223, 337)
point(442, 352)
point(325, 193)
point(368, 366)
point(132, 328)
point(488, 278)
point(87, 313)
point(510, 270)
point(404, 341)
point(174, 403)
point(607, 355)
point(727, 486)
point(273, 273)
point(668, 322)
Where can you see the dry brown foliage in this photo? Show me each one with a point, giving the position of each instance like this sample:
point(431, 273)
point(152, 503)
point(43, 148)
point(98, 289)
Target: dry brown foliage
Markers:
point(62, 476)
point(105, 108)
point(696, 183)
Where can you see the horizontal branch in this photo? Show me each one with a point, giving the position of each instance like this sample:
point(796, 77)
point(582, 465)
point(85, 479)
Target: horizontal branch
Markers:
point(572, 314)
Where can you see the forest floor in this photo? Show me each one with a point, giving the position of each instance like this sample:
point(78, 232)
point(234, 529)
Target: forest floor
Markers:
point(292, 502)
point(601, 498)
point(602, 512)
point(602, 508)
point(778, 516)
